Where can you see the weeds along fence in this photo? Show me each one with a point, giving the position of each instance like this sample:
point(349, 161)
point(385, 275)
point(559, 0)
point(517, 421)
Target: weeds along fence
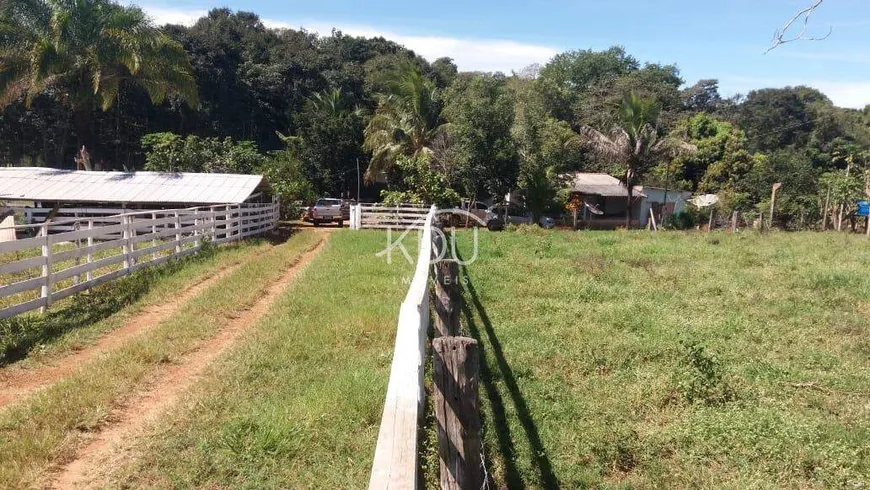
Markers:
point(57, 259)
point(380, 216)
point(395, 463)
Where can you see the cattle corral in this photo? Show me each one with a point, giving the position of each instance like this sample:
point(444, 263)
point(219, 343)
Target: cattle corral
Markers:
point(82, 228)
point(99, 249)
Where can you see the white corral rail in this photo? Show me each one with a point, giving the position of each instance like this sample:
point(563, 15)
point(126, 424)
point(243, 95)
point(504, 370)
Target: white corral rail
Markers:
point(380, 216)
point(395, 464)
point(65, 257)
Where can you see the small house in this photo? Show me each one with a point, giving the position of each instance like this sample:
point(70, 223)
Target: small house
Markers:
point(605, 201)
point(663, 202)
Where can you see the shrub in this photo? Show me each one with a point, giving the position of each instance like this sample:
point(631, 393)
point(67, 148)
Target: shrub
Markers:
point(701, 378)
point(681, 221)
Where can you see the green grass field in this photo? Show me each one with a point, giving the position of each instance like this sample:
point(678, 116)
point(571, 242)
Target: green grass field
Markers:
point(46, 429)
point(298, 404)
point(610, 360)
point(676, 360)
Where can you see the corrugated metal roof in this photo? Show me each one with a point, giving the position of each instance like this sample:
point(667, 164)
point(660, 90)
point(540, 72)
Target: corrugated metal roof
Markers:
point(48, 184)
point(599, 185)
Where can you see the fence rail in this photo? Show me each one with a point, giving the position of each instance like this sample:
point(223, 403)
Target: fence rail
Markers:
point(56, 259)
point(380, 216)
point(395, 463)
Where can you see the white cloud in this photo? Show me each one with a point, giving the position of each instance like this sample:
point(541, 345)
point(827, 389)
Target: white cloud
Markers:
point(469, 54)
point(854, 94)
point(845, 94)
point(162, 15)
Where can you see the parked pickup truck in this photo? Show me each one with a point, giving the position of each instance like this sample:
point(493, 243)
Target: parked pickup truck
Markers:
point(327, 210)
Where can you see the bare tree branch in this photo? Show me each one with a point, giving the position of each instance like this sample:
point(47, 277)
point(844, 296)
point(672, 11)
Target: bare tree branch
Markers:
point(779, 37)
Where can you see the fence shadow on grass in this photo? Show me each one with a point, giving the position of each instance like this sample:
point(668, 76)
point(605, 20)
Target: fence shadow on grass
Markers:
point(492, 346)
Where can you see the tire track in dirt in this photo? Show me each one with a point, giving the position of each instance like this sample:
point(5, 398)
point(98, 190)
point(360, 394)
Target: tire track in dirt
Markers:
point(164, 391)
point(16, 384)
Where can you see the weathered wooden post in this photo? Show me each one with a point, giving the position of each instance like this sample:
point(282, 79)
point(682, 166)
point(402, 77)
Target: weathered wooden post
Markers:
point(457, 412)
point(734, 222)
point(775, 188)
point(447, 298)
point(825, 210)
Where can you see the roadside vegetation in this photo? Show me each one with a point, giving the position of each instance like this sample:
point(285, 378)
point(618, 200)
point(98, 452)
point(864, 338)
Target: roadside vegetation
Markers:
point(46, 429)
point(614, 359)
point(298, 404)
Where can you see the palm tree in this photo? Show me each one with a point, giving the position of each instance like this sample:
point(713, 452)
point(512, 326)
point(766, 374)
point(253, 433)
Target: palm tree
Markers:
point(330, 101)
point(406, 122)
point(634, 143)
point(85, 51)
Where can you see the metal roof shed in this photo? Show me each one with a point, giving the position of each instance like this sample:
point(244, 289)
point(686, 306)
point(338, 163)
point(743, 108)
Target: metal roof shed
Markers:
point(599, 185)
point(127, 188)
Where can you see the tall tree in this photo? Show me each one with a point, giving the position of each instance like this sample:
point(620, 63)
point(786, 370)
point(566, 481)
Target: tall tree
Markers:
point(480, 111)
point(330, 146)
point(703, 96)
point(406, 122)
point(87, 51)
point(547, 147)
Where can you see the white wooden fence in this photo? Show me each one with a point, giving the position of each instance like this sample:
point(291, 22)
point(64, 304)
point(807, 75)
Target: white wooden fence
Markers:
point(395, 464)
point(379, 216)
point(61, 258)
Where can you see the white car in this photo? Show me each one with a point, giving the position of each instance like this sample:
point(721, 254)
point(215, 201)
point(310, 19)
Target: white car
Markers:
point(495, 218)
point(326, 210)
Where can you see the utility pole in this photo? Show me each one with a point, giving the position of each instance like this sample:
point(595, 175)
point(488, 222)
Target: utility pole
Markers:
point(357, 180)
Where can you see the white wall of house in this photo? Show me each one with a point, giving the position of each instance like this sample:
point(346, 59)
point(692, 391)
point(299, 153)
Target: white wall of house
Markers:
point(655, 195)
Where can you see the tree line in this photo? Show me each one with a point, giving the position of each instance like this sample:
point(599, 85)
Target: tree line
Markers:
point(317, 114)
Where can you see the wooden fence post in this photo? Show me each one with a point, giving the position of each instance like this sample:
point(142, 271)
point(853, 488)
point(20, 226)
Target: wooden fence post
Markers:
point(88, 274)
point(78, 260)
point(456, 367)
point(153, 237)
point(196, 227)
point(45, 290)
point(213, 223)
point(447, 298)
point(132, 226)
point(228, 213)
point(775, 188)
point(734, 222)
point(177, 233)
point(126, 246)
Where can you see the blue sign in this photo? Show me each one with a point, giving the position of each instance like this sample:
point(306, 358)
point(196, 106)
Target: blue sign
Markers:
point(863, 208)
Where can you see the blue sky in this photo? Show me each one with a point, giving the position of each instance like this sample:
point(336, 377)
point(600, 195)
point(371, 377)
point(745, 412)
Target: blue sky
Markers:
point(722, 39)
